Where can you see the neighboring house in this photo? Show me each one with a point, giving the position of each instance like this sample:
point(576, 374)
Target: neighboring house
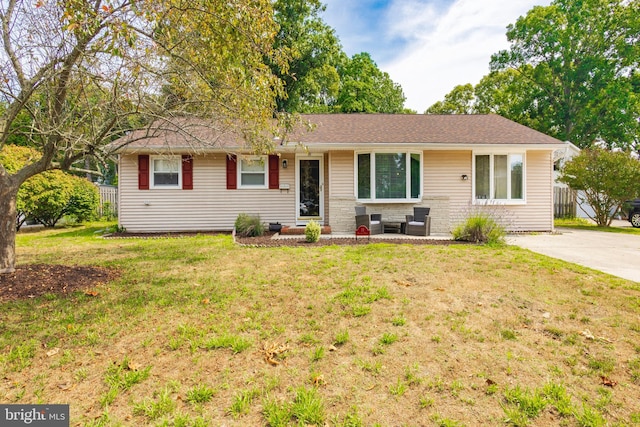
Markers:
point(582, 209)
point(453, 164)
point(562, 193)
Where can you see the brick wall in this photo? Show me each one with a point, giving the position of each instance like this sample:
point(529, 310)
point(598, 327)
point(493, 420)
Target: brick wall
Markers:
point(342, 213)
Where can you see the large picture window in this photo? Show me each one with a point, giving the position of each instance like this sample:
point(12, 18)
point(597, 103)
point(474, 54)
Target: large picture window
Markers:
point(165, 171)
point(389, 176)
point(499, 177)
point(253, 172)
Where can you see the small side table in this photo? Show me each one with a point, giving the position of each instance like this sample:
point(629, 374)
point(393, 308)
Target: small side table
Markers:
point(394, 227)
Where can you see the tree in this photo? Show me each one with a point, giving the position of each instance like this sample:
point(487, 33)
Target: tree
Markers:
point(460, 100)
point(86, 72)
point(366, 89)
point(581, 55)
point(319, 77)
point(606, 178)
point(311, 80)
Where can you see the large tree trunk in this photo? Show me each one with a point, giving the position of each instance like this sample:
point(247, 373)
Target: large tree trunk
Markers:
point(8, 195)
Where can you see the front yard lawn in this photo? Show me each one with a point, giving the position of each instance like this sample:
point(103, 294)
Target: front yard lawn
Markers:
point(198, 331)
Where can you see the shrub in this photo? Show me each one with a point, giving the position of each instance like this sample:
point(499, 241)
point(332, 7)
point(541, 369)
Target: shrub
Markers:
point(312, 231)
point(249, 226)
point(49, 196)
point(84, 200)
point(480, 228)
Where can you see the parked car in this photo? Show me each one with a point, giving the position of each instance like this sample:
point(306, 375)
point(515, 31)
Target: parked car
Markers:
point(633, 207)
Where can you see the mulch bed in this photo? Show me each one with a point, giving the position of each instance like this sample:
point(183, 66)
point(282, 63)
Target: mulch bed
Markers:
point(31, 281)
point(267, 240)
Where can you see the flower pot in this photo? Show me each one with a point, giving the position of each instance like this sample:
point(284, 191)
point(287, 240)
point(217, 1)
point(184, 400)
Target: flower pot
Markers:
point(275, 226)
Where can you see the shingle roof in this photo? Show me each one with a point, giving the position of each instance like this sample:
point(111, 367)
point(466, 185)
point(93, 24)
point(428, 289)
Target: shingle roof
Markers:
point(344, 130)
point(418, 128)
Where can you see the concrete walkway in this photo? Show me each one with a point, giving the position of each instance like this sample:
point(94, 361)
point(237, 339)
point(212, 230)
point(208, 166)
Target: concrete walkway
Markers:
point(617, 254)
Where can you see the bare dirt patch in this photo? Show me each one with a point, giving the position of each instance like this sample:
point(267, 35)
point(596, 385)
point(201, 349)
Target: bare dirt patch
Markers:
point(31, 281)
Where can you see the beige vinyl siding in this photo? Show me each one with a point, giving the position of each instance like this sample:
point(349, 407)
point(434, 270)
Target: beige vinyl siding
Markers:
point(209, 206)
point(443, 172)
point(443, 178)
point(537, 214)
point(341, 175)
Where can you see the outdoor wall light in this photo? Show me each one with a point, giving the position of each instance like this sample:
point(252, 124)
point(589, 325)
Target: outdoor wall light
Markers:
point(284, 163)
point(465, 177)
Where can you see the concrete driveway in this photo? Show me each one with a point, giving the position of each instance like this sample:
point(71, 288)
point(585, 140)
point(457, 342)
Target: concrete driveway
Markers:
point(617, 254)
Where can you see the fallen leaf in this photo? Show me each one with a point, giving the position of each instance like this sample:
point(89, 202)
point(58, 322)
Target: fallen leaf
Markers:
point(132, 366)
point(205, 301)
point(318, 380)
point(608, 382)
point(91, 293)
point(272, 351)
point(587, 334)
point(53, 352)
point(66, 387)
point(403, 283)
point(332, 348)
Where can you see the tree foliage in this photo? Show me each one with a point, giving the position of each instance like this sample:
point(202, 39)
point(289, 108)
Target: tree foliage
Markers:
point(311, 80)
point(571, 72)
point(319, 77)
point(581, 54)
point(459, 101)
point(77, 74)
point(606, 178)
point(364, 88)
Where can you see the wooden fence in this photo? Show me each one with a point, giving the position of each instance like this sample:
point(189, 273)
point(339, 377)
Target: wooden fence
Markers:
point(108, 201)
point(564, 202)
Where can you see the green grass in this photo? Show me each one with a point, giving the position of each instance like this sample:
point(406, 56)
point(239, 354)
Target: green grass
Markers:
point(154, 408)
point(198, 331)
point(200, 394)
point(583, 224)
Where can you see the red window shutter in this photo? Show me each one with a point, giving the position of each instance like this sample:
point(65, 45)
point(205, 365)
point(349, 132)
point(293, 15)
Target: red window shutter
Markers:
point(187, 172)
point(274, 172)
point(232, 172)
point(143, 172)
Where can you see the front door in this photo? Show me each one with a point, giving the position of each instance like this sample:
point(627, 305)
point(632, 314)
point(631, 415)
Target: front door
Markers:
point(309, 198)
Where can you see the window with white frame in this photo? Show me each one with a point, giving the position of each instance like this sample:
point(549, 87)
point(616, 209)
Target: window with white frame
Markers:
point(252, 172)
point(165, 171)
point(499, 177)
point(388, 176)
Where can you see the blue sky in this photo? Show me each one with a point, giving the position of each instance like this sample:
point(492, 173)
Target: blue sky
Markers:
point(428, 46)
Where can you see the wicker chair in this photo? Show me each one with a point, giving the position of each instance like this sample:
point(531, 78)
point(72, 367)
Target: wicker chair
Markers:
point(373, 222)
point(419, 224)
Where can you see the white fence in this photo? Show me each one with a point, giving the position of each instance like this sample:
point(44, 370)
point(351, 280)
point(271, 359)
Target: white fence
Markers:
point(108, 201)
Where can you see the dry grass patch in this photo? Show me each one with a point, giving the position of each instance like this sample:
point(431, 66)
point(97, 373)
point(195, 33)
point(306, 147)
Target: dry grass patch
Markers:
point(198, 331)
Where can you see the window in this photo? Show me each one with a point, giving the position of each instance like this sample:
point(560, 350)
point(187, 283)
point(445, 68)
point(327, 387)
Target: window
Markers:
point(165, 171)
point(253, 172)
point(499, 177)
point(388, 176)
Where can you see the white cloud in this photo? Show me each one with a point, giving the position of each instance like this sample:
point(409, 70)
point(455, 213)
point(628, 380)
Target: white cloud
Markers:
point(449, 46)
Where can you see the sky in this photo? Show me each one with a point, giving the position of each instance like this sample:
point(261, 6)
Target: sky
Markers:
point(427, 46)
